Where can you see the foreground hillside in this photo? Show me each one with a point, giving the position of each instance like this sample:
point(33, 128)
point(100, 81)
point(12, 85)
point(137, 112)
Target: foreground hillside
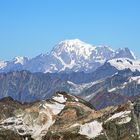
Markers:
point(68, 117)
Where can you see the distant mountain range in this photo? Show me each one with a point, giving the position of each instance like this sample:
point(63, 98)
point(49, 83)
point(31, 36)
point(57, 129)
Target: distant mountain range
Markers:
point(67, 56)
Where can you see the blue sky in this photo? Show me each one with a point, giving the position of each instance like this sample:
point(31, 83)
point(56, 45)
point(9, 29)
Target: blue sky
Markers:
point(31, 27)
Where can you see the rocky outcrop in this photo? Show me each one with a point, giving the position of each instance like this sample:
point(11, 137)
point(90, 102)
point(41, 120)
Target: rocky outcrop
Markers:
point(115, 123)
point(67, 117)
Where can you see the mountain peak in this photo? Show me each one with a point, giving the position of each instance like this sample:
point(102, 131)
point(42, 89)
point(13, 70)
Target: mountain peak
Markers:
point(72, 42)
point(72, 50)
point(73, 45)
point(125, 52)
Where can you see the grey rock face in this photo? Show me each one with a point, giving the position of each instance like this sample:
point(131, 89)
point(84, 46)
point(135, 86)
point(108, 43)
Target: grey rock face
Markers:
point(26, 87)
point(114, 90)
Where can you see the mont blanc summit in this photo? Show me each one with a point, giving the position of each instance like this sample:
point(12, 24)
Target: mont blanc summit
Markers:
point(67, 56)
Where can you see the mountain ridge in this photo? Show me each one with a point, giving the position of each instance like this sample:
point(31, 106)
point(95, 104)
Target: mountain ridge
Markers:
point(25, 86)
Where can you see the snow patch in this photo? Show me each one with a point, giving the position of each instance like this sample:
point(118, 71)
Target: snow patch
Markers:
point(19, 60)
point(91, 130)
point(124, 120)
point(122, 86)
point(3, 64)
point(55, 107)
point(121, 114)
point(60, 98)
point(112, 89)
point(136, 78)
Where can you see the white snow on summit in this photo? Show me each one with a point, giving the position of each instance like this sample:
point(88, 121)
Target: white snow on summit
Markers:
point(81, 49)
point(3, 64)
point(20, 60)
point(60, 98)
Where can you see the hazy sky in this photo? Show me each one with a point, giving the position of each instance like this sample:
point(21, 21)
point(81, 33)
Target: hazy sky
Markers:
point(31, 27)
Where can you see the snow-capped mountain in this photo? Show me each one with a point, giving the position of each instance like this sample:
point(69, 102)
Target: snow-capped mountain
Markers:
point(67, 56)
